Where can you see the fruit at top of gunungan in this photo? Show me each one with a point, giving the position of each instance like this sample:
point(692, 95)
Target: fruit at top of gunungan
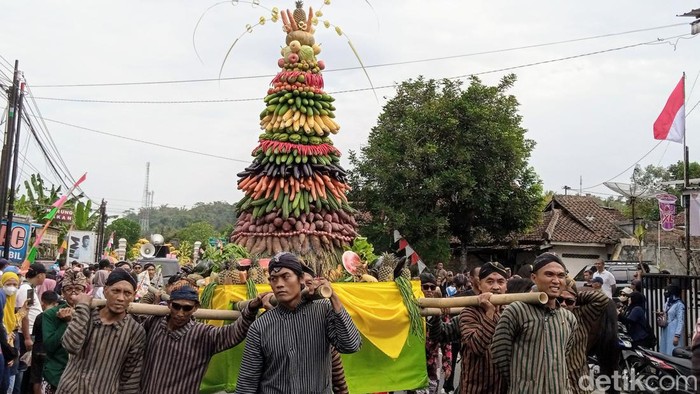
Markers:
point(292, 58)
point(295, 46)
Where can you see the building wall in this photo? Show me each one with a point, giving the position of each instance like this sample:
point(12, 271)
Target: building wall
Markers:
point(584, 255)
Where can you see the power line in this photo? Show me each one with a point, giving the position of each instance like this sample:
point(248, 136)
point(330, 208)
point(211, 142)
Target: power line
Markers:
point(657, 41)
point(147, 142)
point(368, 66)
point(628, 168)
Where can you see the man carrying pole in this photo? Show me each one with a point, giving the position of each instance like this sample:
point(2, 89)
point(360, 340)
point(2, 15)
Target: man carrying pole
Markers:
point(288, 348)
point(536, 336)
point(178, 349)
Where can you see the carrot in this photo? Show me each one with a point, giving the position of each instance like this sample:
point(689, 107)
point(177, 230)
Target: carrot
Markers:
point(292, 22)
point(277, 190)
point(310, 19)
point(269, 189)
point(251, 186)
point(285, 21)
point(242, 183)
point(313, 193)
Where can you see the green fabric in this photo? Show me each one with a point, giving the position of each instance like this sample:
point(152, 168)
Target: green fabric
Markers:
point(367, 371)
point(56, 356)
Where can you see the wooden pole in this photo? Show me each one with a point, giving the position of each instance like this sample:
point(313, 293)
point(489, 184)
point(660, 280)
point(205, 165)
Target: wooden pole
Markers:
point(425, 312)
point(496, 299)
point(162, 310)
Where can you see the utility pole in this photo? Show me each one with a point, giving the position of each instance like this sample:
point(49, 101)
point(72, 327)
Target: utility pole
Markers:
point(13, 180)
point(101, 230)
point(9, 136)
point(566, 190)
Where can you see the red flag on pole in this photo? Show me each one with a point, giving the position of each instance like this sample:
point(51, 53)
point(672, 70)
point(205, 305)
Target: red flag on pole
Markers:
point(670, 125)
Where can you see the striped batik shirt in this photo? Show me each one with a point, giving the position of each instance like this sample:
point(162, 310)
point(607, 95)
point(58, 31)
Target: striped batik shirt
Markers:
point(479, 375)
point(288, 351)
point(590, 305)
point(103, 358)
point(529, 348)
point(175, 361)
point(338, 373)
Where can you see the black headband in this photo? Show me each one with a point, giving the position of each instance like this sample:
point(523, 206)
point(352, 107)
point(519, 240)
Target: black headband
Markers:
point(307, 270)
point(491, 267)
point(544, 259)
point(185, 293)
point(118, 275)
point(285, 260)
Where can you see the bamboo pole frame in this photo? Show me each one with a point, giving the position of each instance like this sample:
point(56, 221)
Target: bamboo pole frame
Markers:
point(496, 299)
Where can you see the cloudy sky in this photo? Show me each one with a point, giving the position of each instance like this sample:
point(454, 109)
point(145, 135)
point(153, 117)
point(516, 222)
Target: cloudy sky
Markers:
point(591, 114)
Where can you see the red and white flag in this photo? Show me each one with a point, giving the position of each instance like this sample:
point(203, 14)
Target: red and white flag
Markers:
point(670, 125)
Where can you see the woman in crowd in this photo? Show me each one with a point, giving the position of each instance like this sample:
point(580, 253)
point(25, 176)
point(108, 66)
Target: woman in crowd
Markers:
point(674, 313)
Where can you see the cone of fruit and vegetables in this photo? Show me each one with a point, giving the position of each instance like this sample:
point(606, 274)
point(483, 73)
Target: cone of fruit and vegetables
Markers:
point(295, 189)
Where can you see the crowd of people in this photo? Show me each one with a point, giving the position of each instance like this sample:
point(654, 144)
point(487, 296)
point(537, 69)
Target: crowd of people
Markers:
point(54, 340)
point(528, 348)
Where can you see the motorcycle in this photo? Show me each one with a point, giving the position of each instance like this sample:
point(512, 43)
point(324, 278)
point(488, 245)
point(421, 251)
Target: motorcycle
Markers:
point(658, 371)
point(671, 374)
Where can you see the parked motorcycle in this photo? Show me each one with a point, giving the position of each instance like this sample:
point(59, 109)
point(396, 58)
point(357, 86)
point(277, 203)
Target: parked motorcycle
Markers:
point(672, 374)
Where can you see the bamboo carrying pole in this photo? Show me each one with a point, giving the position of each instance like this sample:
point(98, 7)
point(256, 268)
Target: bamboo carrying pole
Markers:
point(496, 299)
point(162, 310)
point(206, 314)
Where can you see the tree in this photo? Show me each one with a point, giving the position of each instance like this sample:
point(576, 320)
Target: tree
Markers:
point(445, 161)
point(652, 177)
point(38, 197)
point(198, 231)
point(124, 228)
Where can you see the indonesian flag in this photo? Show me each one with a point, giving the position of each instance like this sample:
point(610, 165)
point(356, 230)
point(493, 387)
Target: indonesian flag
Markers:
point(670, 125)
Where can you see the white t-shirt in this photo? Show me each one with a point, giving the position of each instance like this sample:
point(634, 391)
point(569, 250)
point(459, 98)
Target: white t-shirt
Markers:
point(608, 282)
point(34, 310)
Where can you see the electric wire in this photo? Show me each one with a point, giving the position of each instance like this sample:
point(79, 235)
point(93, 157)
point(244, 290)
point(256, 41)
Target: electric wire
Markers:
point(532, 64)
point(628, 168)
point(398, 63)
point(52, 144)
point(147, 142)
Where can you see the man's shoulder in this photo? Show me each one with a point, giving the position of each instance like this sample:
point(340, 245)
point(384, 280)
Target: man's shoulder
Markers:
point(134, 325)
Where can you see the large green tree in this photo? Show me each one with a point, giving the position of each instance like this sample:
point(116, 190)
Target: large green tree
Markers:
point(446, 161)
point(124, 228)
point(198, 231)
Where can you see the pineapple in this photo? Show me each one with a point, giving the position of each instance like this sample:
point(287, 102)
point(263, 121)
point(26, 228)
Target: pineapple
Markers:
point(256, 273)
point(406, 273)
point(229, 275)
point(386, 271)
point(299, 14)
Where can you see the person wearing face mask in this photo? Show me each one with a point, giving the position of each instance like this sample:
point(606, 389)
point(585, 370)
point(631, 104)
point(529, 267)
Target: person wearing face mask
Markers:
point(9, 289)
point(10, 283)
point(674, 310)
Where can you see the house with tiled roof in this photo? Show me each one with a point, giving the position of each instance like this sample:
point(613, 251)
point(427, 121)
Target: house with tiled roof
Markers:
point(576, 228)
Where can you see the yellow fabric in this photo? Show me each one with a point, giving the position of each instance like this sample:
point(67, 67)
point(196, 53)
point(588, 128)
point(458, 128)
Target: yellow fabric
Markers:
point(376, 308)
point(9, 318)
